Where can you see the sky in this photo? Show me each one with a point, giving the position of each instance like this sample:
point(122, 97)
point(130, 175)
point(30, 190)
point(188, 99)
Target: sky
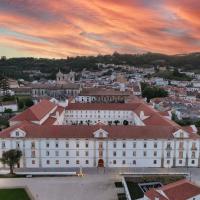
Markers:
point(61, 28)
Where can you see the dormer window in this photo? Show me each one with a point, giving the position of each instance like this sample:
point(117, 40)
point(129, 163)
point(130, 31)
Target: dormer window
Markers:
point(100, 134)
point(17, 133)
point(181, 135)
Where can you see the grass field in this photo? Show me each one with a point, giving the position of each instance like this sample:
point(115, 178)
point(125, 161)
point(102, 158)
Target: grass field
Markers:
point(14, 194)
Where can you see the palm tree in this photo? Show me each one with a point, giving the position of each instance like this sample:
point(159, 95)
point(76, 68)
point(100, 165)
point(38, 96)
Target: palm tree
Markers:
point(11, 158)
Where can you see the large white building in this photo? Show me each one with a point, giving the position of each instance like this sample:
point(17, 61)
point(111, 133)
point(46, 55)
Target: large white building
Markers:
point(52, 136)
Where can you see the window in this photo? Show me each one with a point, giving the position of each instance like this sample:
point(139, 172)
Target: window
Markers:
point(168, 162)
point(134, 144)
point(134, 162)
point(180, 145)
point(168, 145)
point(194, 145)
point(67, 144)
point(114, 162)
point(86, 145)
point(47, 153)
point(193, 161)
point(47, 145)
point(17, 144)
point(33, 162)
point(67, 162)
point(114, 153)
point(86, 153)
point(48, 162)
point(17, 134)
point(155, 153)
point(87, 162)
point(155, 145)
point(144, 153)
point(32, 144)
point(77, 153)
point(124, 153)
point(145, 145)
point(77, 162)
point(114, 145)
point(100, 145)
point(180, 154)
point(134, 153)
point(123, 162)
point(3, 145)
point(56, 153)
point(57, 162)
point(33, 154)
point(67, 153)
point(124, 145)
point(180, 161)
point(193, 154)
point(56, 144)
point(155, 162)
point(168, 154)
point(77, 144)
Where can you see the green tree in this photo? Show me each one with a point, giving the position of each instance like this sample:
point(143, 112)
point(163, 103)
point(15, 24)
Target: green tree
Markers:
point(28, 102)
point(11, 158)
point(125, 122)
point(20, 104)
point(150, 92)
point(4, 85)
point(116, 122)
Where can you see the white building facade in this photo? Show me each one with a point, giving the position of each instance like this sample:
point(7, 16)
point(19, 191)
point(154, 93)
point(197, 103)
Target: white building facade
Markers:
point(47, 137)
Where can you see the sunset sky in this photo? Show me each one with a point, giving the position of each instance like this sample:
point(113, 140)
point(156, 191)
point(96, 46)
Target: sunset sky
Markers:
point(60, 28)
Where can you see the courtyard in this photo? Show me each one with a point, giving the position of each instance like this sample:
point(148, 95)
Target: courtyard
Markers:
point(96, 184)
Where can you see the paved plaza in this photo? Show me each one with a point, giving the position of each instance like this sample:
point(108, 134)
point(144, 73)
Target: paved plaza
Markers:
point(95, 185)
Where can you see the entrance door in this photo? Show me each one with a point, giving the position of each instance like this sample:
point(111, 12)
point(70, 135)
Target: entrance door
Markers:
point(101, 163)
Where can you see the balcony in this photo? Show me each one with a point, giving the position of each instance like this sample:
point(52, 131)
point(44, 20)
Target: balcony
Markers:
point(168, 148)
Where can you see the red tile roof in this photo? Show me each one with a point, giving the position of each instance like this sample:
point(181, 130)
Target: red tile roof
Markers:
point(35, 112)
point(180, 190)
point(102, 106)
point(85, 131)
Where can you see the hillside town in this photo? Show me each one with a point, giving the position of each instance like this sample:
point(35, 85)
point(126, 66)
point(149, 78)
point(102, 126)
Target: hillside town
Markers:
point(108, 119)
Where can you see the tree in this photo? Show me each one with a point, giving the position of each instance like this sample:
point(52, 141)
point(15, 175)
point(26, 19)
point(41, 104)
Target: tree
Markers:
point(28, 102)
point(116, 122)
point(150, 92)
point(109, 123)
point(125, 122)
point(4, 84)
point(88, 122)
point(11, 158)
point(20, 104)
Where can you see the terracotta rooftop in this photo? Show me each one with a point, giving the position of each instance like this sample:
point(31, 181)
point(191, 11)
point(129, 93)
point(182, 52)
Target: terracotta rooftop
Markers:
point(85, 131)
point(102, 92)
point(102, 106)
point(35, 112)
point(180, 190)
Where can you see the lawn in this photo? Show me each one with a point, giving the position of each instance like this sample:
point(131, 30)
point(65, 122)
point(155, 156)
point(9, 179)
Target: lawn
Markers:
point(14, 194)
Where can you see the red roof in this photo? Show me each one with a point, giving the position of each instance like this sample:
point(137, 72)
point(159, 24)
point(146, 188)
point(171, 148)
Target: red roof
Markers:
point(85, 131)
point(35, 112)
point(102, 106)
point(180, 190)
